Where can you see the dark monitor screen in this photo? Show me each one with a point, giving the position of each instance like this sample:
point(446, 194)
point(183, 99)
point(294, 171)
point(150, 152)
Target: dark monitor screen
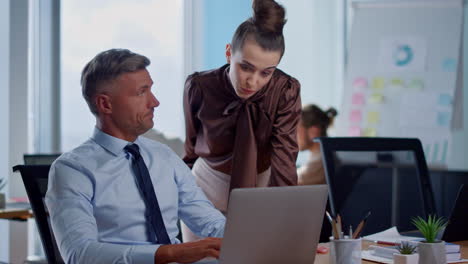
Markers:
point(387, 183)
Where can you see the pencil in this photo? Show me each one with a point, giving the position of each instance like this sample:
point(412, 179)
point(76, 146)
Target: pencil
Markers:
point(359, 228)
point(333, 224)
point(339, 226)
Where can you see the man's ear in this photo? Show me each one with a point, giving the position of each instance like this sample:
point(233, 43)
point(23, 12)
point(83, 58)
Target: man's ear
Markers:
point(228, 53)
point(313, 132)
point(103, 103)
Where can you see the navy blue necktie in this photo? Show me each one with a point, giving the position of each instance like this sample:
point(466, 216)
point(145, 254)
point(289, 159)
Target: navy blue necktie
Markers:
point(153, 215)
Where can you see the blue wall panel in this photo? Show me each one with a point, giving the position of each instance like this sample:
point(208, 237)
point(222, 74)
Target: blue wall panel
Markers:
point(220, 20)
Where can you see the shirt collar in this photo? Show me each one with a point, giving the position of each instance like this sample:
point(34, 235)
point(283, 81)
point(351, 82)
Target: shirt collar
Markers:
point(110, 143)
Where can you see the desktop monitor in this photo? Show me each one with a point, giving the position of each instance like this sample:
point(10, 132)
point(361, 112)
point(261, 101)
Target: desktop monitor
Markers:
point(386, 176)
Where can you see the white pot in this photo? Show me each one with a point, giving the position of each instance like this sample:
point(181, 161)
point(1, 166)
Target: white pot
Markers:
point(433, 253)
point(405, 259)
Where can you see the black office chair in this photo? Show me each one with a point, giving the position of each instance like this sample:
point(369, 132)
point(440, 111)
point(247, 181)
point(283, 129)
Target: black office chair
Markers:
point(40, 158)
point(35, 179)
point(387, 176)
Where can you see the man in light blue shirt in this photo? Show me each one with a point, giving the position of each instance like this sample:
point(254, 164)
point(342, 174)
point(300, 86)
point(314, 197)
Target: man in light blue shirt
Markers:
point(97, 212)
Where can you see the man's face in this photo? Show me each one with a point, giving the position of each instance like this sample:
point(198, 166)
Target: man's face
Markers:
point(132, 104)
point(251, 68)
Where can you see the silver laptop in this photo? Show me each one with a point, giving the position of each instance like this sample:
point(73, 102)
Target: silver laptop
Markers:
point(273, 225)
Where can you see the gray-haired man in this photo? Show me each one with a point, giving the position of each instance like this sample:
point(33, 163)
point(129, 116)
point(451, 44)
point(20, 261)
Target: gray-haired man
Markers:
point(117, 197)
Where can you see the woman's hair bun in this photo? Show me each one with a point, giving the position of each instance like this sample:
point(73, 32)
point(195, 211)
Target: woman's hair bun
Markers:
point(331, 112)
point(268, 16)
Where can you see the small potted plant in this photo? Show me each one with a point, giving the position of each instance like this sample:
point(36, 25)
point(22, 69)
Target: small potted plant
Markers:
point(431, 250)
point(406, 254)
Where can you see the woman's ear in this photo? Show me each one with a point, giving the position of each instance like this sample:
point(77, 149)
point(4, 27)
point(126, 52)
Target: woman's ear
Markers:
point(228, 53)
point(103, 104)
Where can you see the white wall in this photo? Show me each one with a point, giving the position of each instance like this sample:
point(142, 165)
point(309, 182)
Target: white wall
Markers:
point(314, 49)
point(458, 159)
point(4, 111)
point(18, 118)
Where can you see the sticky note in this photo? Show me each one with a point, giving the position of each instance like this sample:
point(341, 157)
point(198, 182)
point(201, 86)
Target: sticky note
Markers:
point(397, 82)
point(373, 117)
point(449, 65)
point(355, 116)
point(443, 119)
point(357, 99)
point(378, 83)
point(354, 131)
point(416, 84)
point(445, 99)
point(370, 132)
point(360, 83)
point(376, 98)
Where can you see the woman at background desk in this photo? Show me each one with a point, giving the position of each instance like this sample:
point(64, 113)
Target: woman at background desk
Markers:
point(241, 119)
point(314, 123)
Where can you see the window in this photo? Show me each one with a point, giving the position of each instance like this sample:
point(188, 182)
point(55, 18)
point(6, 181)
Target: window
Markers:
point(153, 28)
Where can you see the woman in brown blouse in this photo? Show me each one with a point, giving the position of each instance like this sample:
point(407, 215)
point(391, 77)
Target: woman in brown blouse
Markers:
point(241, 118)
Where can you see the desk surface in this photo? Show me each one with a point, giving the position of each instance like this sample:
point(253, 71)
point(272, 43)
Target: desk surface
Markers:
point(325, 259)
point(16, 211)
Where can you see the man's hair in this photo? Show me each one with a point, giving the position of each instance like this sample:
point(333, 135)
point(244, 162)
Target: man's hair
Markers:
point(264, 27)
point(106, 67)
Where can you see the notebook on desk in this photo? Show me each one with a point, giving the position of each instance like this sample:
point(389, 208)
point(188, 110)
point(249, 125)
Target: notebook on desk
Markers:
point(273, 225)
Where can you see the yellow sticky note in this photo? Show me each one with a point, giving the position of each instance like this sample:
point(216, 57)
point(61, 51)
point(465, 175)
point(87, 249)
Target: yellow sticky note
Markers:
point(397, 82)
point(378, 83)
point(373, 117)
point(376, 98)
point(370, 132)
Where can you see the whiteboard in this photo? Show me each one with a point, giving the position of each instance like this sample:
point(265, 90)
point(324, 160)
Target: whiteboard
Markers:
point(401, 74)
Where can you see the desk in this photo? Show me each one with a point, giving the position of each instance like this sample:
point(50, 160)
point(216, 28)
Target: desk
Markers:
point(16, 211)
point(15, 214)
point(325, 258)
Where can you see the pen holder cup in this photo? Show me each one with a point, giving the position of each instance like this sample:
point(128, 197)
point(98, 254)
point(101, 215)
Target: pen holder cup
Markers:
point(345, 251)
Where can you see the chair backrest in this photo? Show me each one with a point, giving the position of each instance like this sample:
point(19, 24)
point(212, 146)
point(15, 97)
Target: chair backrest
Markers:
point(387, 176)
point(40, 158)
point(35, 179)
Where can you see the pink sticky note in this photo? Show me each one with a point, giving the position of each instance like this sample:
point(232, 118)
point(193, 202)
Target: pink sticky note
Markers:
point(357, 99)
point(360, 82)
point(355, 116)
point(354, 131)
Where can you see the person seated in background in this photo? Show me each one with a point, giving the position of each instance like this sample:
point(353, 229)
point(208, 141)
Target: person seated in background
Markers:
point(314, 123)
point(117, 197)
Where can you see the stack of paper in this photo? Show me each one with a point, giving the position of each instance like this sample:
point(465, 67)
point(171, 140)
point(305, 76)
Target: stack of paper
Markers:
point(392, 236)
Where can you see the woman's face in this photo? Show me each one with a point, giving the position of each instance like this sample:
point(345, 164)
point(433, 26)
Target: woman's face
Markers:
point(305, 136)
point(251, 68)
point(303, 140)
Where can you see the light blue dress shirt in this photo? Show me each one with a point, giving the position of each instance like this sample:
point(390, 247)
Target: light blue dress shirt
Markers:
point(97, 213)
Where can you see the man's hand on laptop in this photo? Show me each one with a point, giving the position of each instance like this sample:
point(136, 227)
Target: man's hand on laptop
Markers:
point(188, 252)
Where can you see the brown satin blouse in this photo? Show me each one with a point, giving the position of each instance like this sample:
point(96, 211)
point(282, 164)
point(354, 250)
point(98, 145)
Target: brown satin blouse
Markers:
point(243, 137)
